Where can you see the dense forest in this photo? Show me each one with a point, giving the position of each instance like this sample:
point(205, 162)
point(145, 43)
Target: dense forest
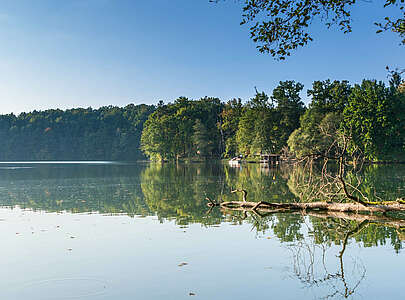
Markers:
point(369, 117)
point(108, 133)
point(210, 128)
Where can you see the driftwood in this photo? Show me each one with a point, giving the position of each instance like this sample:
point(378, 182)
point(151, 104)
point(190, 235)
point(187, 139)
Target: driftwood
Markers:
point(271, 207)
point(324, 206)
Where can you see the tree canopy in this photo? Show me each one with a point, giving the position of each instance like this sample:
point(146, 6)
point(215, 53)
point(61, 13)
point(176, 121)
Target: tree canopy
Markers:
point(107, 133)
point(370, 116)
point(208, 128)
point(281, 26)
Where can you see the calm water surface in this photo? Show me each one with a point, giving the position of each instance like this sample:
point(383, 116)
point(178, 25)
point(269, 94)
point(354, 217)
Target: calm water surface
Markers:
point(143, 231)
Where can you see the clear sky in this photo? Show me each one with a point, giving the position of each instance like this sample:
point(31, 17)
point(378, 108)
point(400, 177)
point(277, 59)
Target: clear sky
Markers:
point(81, 53)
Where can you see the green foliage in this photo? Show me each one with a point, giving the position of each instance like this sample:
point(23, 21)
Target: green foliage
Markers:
point(265, 125)
point(203, 146)
point(108, 133)
point(245, 130)
point(230, 118)
point(281, 26)
point(155, 141)
point(321, 122)
point(376, 120)
point(289, 109)
point(172, 132)
point(321, 140)
point(329, 96)
point(254, 133)
point(370, 115)
point(396, 24)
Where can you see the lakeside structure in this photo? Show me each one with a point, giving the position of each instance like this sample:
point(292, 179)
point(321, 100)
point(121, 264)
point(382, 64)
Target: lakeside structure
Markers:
point(266, 160)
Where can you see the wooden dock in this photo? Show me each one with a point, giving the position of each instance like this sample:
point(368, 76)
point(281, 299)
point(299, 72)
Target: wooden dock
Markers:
point(270, 159)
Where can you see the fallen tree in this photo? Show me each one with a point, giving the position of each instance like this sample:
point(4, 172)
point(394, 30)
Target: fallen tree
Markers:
point(273, 207)
point(331, 193)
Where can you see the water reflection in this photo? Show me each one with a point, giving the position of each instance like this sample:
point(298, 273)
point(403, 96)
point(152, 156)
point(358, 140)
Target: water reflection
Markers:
point(178, 192)
point(372, 182)
point(322, 258)
point(104, 189)
point(327, 274)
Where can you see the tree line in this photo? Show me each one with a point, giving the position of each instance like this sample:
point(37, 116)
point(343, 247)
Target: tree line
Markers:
point(367, 120)
point(207, 127)
point(369, 115)
point(107, 133)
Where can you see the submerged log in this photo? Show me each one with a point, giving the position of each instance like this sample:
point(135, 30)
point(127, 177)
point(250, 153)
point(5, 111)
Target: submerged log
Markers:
point(264, 206)
point(398, 224)
point(324, 206)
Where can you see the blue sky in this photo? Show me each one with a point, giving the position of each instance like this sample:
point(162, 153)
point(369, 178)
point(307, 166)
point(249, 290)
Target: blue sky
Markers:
point(81, 53)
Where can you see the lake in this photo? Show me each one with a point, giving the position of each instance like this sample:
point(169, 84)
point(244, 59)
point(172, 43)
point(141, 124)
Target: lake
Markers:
point(103, 230)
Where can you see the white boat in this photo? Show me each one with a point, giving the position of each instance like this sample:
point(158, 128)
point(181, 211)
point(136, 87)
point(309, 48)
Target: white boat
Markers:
point(235, 162)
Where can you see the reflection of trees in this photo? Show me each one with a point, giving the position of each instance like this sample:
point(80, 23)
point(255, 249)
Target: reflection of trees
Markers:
point(380, 230)
point(104, 189)
point(313, 237)
point(309, 183)
point(374, 183)
point(178, 191)
point(312, 257)
point(261, 183)
point(312, 264)
point(381, 182)
point(170, 191)
point(311, 268)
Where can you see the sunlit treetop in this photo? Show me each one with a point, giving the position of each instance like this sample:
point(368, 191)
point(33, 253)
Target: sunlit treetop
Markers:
point(280, 26)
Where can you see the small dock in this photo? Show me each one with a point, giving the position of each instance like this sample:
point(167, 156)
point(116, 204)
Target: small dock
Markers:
point(270, 159)
point(265, 160)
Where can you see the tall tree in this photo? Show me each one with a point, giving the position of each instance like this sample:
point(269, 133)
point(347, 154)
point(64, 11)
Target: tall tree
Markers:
point(229, 123)
point(255, 130)
point(289, 109)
